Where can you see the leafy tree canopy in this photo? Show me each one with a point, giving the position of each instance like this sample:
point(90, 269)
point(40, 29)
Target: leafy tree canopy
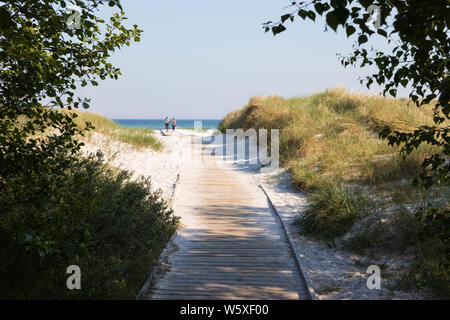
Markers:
point(48, 48)
point(418, 32)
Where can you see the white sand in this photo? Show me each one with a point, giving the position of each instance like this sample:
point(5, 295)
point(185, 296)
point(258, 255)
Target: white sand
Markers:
point(162, 167)
point(324, 266)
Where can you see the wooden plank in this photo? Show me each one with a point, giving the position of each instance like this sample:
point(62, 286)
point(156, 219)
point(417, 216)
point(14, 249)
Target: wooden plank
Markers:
point(264, 286)
point(223, 289)
point(254, 294)
point(230, 260)
point(231, 272)
point(230, 254)
point(255, 281)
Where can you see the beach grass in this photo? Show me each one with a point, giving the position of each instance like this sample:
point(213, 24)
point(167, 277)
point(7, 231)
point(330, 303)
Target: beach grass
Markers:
point(333, 135)
point(139, 138)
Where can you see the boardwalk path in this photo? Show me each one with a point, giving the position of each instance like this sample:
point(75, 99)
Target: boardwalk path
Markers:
point(231, 245)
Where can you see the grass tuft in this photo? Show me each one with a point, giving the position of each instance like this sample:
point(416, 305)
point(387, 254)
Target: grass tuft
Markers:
point(331, 211)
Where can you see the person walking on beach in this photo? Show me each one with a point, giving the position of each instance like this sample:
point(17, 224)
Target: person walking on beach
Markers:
point(167, 124)
point(174, 124)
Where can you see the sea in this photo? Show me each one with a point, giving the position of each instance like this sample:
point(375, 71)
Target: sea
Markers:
point(159, 123)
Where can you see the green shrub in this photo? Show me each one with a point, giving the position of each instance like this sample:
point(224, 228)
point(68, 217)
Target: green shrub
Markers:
point(431, 267)
point(331, 211)
point(391, 233)
point(92, 216)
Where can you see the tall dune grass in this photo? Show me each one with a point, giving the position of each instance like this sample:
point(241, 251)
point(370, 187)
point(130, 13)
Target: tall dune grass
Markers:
point(138, 137)
point(333, 134)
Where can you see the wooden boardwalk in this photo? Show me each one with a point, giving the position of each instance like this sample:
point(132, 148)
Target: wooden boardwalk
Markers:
point(230, 246)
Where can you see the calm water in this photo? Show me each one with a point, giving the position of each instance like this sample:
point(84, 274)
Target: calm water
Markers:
point(159, 123)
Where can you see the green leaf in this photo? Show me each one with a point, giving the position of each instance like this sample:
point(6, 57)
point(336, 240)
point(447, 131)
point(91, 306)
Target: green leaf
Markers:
point(5, 19)
point(350, 30)
point(302, 14)
point(332, 20)
point(337, 17)
point(278, 29)
point(382, 33)
point(321, 7)
point(285, 17)
point(311, 15)
point(393, 92)
point(362, 39)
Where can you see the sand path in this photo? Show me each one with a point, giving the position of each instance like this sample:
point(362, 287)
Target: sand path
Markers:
point(230, 244)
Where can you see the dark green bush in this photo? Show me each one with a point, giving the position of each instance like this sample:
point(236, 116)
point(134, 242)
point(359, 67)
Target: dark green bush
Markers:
point(89, 215)
point(431, 267)
point(394, 232)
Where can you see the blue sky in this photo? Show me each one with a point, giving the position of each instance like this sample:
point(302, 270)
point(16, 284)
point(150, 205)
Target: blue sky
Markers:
point(201, 59)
